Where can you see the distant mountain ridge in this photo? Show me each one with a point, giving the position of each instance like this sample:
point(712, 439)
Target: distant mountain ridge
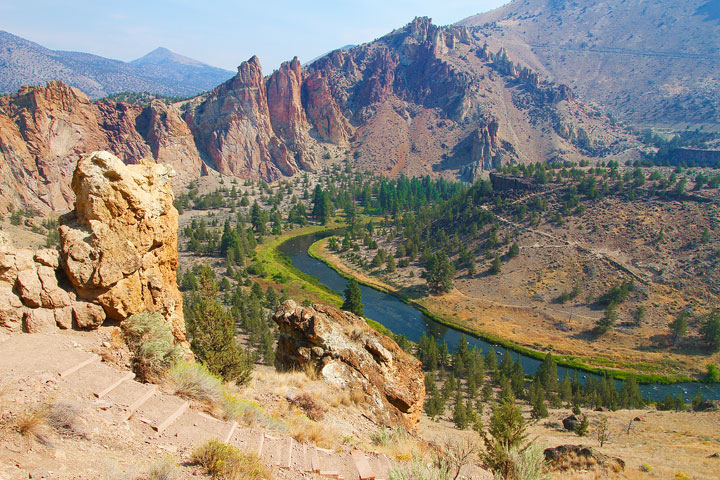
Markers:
point(161, 71)
point(649, 63)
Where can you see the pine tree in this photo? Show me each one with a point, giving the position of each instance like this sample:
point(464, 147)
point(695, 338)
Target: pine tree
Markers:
point(211, 330)
point(505, 433)
point(537, 400)
point(353, 298)
point(547, 373)
point(496, 266)
point(711, 331)
point(459, 414)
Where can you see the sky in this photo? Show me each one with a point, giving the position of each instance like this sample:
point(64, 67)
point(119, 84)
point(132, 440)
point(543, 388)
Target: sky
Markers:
point(221, 33)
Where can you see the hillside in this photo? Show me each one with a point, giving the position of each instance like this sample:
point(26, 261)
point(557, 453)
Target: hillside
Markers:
point(161, 71)
point(420, 100)
point(649, 63)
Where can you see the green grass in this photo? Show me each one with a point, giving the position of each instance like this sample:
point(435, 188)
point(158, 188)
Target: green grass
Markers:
point(279, 268)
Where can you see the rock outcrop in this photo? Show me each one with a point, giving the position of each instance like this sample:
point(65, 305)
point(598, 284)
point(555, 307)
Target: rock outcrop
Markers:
point(118, 255)
point(119, 245)
point(34, 296)
point(351, 355)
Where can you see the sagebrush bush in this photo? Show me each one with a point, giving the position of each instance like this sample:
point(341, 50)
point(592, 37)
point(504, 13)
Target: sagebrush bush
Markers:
point(221, 460)
point(150, 339)
point(163, 469)
point(416, 469)
point(194, 381)
point(528, 463)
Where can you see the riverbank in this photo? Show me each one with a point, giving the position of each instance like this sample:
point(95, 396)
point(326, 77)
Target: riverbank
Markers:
point(444, 310)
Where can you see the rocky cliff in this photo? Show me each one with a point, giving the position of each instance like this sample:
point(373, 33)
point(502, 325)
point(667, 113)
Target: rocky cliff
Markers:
point(118, 254)
point(351, 355)
point(421, 100)
point(43, 131)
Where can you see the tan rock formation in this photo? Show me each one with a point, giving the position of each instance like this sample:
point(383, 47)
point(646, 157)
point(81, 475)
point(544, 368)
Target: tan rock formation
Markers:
point(351, 355)
point(31, 297)
point(119, 246)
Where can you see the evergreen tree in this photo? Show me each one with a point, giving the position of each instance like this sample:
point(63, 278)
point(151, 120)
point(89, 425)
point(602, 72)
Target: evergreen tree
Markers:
point(439, 272)
point(711, 331)
point(679, 326)
point(257, 219)
point(321, 205)
point(506, 432)
point(630, 396)
point(459, 414)
point(353, 298)
point(211, 330)
point(565, 389)
point(537, 400)
point(547, 373)
point(496, 266)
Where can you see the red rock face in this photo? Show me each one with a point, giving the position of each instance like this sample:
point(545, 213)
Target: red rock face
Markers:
point(323, 111)
point(44, 130)
point(232, 126)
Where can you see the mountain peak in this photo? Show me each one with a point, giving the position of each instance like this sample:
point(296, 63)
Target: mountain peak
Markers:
point(162, 55)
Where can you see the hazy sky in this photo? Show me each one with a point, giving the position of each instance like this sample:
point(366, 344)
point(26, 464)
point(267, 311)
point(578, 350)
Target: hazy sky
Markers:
point(218, 32)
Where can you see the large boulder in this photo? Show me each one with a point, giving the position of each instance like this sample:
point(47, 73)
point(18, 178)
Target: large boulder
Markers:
point(351, 355)
point(119, 246)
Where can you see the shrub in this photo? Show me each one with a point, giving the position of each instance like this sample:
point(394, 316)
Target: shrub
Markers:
point(221, 460)
point(645, 467)
point(64, 417)
point(418, 470)
point(528, 463)
point(150, 339)
point(713, 374)
point(194, 381)
point(163, 469)
point(582, 428)
point(312, 408)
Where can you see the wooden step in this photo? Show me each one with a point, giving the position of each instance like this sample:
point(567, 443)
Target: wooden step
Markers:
point(132, 408)
point(114, 385)
point(71, 370)
point(173, 416)
point(286, 459)
point(231, 432)
point(261, 444)
point(363, 465)
point(314, 459)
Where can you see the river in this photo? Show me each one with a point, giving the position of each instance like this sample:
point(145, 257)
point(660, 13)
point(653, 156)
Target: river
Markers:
point(406, 320)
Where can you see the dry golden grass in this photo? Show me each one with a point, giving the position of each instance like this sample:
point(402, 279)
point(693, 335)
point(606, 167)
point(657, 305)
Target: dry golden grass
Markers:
point(347, 398)
point(31, 421)
point(398, 444)
point(305, 430)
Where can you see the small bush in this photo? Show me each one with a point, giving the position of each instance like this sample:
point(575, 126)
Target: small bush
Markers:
point(221, 460)
point(64, 417)
point(419, 470)
point(645, 467)
point(151, 340)
point(312, 408)
point(194, 381)
point(528, 463)
point(163, 469)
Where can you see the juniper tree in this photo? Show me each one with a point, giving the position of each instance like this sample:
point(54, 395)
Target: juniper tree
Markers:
point(353, 298)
